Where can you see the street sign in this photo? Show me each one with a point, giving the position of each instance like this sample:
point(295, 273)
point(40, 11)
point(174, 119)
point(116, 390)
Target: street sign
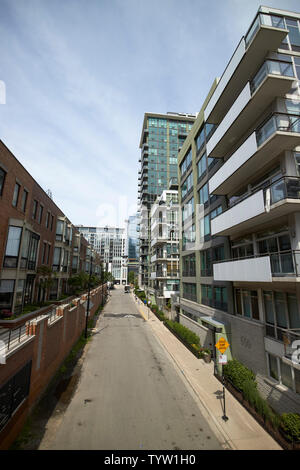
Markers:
point(223, 359)
point(222, 345)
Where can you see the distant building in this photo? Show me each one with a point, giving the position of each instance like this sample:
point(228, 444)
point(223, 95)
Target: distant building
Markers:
point(133, 244)
point(110, 244)
point(164, 246)
point(162, 137)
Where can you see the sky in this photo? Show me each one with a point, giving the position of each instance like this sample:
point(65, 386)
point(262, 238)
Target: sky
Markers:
point(80, 74)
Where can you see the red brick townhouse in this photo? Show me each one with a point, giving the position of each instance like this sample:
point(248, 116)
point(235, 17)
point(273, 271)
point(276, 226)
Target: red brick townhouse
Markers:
point(34, 232)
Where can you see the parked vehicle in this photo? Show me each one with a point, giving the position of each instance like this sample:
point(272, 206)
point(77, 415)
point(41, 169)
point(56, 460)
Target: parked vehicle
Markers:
point(127, 289)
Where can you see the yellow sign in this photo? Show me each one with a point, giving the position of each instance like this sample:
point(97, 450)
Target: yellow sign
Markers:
point(222, 345)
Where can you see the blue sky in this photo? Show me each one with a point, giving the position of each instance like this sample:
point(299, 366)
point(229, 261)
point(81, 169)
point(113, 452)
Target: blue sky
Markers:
point(80, 74)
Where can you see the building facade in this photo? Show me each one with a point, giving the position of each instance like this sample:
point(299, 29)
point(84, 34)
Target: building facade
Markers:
point(240, 187)
point(133, 242)
point(110, 244)
point(164, 261)
point(37, 241)
point(161, 138)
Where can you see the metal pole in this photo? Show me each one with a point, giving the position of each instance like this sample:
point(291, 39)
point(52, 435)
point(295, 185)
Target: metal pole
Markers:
point(224, 417)
point(88, 300)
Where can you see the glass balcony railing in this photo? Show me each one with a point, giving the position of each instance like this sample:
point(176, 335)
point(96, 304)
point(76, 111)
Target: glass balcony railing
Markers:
point(277, 122)
point(271, 67)
point(263, 19)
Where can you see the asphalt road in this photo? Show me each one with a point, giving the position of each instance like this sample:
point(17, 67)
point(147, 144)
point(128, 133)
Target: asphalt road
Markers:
point(130, 395)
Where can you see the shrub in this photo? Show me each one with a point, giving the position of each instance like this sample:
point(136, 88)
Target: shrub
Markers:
point(290, 424)
point(187, 335)
point(237, 373)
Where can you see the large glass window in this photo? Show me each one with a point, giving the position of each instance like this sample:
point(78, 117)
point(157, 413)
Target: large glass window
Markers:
point(12, 247)
point(281, 313)
point(246, 303)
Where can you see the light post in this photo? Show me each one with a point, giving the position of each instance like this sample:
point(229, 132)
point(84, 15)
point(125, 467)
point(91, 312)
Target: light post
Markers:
point(88, 299)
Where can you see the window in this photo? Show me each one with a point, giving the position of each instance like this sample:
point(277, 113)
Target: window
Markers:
point(205, 228)
point(44, 252)
point(34, 209)
point(47, 219)
point(24, 200)
point(19, 293)
point(203, 195)
point(188, 209)
point(189, 291)
point(187, 186)
point(273, 367)
point(297, 160)
point(59, 230)
point(188, 238)
point(12, 247)
point(200, 140)
point(216, 212)
point(246, 303)
point(56, 259)
point(201, 167)
point(32, 251)
point(279, 249)
point(16, 195)
point(189, 266)
point(214, 296)
point(2, 179)
point(280, 313)
point(6, 294)
point(186, 163)
point(40, 214)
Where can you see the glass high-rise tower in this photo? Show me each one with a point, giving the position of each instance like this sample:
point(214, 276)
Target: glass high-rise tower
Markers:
point(161, 139)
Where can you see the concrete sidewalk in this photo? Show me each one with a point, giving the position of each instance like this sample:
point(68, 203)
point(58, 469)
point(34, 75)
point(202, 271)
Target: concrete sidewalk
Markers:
point(241, 431)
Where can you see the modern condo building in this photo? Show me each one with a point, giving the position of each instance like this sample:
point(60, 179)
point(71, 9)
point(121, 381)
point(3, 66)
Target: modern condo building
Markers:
point(239, 185)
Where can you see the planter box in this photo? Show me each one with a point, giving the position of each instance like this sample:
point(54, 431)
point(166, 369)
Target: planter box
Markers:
point(277, 434)
point(182, 341)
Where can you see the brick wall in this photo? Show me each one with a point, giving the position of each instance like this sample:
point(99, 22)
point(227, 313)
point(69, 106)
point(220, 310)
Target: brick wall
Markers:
point(46, 346)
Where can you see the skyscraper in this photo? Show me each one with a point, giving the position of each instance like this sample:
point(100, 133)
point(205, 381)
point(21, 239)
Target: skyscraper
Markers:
point(162, 137)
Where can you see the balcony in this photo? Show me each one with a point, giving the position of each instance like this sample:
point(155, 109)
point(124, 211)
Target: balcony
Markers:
point(273, 79)
point(278, 133)
point(165, 275)
point(276, 200)
point(266, 33)
point(260, 268)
